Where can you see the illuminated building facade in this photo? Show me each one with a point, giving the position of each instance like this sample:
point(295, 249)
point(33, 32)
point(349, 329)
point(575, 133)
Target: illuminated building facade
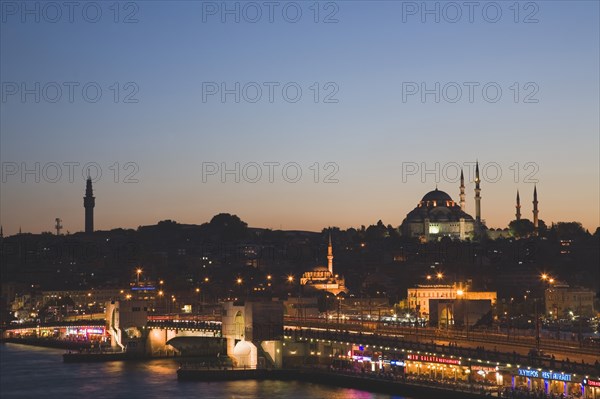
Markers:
point(419, 296)
point(437, 216)
point(562, 299)
point(323, 278)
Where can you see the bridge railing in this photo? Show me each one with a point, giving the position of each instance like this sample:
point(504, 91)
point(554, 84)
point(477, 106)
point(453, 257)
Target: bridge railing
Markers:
point(189, 324)
point(428, 333)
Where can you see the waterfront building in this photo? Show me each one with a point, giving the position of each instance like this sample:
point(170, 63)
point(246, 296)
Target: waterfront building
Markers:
point(550, 382)
point(591, 388)
point(436, 367)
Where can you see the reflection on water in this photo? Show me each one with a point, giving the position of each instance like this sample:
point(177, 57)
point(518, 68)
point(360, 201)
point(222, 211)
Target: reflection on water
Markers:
point(29, 372)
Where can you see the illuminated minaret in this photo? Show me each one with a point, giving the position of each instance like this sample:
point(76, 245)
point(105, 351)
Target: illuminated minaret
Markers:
point(89, 201)
point(518, 206)
point(535, 211)
point(330, 256)
point(477, 194)
point(462, 191)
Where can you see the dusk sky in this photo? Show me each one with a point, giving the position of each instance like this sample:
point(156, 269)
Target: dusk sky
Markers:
point(163, 121)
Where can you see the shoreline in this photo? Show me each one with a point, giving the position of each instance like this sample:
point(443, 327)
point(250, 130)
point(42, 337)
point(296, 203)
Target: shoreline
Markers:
point(326, 378)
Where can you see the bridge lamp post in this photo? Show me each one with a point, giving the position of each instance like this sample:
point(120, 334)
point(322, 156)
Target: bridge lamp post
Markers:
point(463, 295)
point(269, 278)
point(239, 283)
point(199, 292)
point(161, 294)
point(138, 271)
point(290, 280)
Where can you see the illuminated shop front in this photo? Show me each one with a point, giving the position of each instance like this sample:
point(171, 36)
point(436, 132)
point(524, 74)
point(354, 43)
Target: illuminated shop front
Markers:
point(436, 367)
point(86, 333)
point(591, 388)
point(548, 381)
point(365, 358)
point(79, 333)
point(486, 374)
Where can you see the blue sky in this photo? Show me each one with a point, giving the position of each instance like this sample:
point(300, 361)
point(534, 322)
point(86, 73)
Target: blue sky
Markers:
point(367, 57)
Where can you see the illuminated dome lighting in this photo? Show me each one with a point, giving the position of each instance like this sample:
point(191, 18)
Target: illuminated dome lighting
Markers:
point(438, 215)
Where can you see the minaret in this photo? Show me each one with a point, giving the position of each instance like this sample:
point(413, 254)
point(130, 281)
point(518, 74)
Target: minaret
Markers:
point(58, 226)
point(518, 206)
point(89, 201)
point(462, 191)
point(535, 211)
point(477, 194)
point(330, 256)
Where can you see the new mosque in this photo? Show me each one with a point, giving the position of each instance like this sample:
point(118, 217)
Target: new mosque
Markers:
point(323, 279)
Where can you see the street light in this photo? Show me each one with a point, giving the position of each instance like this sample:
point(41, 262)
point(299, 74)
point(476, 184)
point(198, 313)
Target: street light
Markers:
point(138, 271)
point(440, 275)
point(547, 277)
point(460, 293)
point(160, 294)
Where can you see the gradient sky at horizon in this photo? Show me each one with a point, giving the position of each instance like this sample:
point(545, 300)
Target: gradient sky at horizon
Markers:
point(370, 133)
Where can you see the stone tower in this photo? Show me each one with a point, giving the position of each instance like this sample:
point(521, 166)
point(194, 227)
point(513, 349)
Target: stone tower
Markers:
point(89, 201)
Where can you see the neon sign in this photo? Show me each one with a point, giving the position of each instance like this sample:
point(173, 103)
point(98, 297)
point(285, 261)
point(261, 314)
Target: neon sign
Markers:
point(433, 359)
point(546, 375)
point(591, 383)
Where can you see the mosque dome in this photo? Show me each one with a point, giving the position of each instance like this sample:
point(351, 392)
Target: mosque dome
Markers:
point(437, 206)
point(436, 195)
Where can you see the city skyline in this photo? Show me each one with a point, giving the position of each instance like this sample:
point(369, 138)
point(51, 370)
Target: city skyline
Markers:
point(89, 204)
point(374, 101)
point(300, 199)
